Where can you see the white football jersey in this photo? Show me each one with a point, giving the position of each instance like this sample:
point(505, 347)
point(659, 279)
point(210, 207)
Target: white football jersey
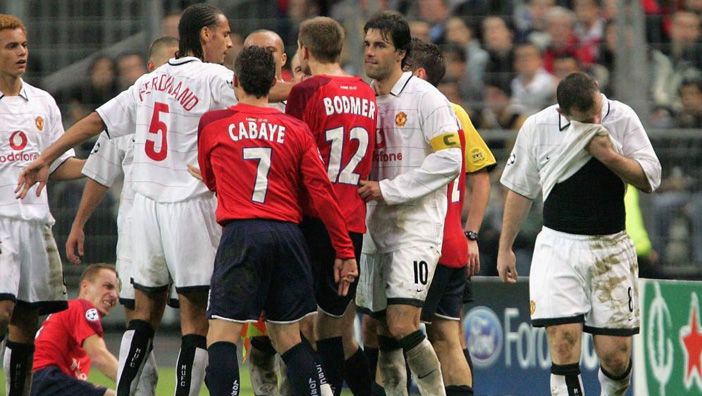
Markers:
point(110, 160)
point(412, 174)
point(163, 109)
point(540, 138)
point(29, 123)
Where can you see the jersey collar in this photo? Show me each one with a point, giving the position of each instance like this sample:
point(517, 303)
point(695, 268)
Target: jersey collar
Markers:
point(22, 94)
point(563, 122)
point(399, 85)
point(183, 60)
point(261, 110)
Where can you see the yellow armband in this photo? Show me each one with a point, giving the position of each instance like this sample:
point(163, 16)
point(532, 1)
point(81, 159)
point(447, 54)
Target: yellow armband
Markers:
point(446, 141)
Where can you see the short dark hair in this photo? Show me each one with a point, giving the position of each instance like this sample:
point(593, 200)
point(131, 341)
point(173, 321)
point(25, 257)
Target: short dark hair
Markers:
point(324, 37)
point(392, 24)
point(162, 42)
point(429, 57)
point(92, 270)
point(194, 18)
point(576, 92)
point(255, 70)
point(690, 82)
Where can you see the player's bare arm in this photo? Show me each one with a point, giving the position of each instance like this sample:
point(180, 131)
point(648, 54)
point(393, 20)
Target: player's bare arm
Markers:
point(93, 194)
point(38, 170)
point(516, 208)
point(70, 169)
point(100, 356)
point(626, 168)
point(478, 187)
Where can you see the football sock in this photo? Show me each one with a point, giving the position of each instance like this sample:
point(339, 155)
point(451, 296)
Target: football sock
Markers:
point(566, 380)
point(284, 387)
point(136, 342)
point(372, 356)
point(303, 372)
point(424, 364)
point(613, 385)
point(149, 376)
point(18, 368)
point(391, 363)
point(192, 361)
point(262, 366)
point(459, 390)
point(331, 352)
point(223, 369)
point(357, 374)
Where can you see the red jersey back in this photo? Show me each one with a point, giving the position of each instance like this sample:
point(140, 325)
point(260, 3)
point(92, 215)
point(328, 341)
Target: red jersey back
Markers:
point(342, 114)
point(59, 341)
point(258, 161)
point(454, 251)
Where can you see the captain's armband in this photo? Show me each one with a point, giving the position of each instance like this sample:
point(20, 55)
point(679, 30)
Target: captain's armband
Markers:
point(446, 141)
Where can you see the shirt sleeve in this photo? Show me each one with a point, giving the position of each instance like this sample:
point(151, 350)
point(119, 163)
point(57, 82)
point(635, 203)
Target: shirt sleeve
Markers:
point(223, 95)
point(321, 194)
point(119, 113)
point(521, 173)
point(440, 130)
point(637, 146)
point(477, 155)
point(55, 130)
point(104, 165)
point(86, 322)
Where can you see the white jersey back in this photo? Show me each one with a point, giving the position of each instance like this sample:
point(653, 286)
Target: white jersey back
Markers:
point(411, 115)
point(110, 160)
point(163, 109)
point(29, 123)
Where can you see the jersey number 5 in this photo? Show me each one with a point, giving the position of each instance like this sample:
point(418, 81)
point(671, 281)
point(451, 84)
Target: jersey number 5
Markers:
point(347, 174)
point(263, 156)
point(158, 127)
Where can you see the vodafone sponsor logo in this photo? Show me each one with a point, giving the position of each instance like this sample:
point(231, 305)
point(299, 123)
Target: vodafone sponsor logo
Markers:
point(18, 140)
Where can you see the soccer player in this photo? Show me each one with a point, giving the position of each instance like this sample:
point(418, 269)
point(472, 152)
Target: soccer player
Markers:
point(342, 114)
point(258, 161)
point(418, 153)
point(444, 303)
point(298, 73)
point(174, 232)
point(110, 160)
point(271, 41)
point(580, 154)
point(70, 341)
point(31, 283)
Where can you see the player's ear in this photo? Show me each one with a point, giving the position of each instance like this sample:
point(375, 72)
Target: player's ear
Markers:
point(284, 58)
point(235, 82)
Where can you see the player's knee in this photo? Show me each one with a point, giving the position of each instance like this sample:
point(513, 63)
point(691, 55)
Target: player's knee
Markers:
point(564, 344)
point(615, 362)
point(398, 329)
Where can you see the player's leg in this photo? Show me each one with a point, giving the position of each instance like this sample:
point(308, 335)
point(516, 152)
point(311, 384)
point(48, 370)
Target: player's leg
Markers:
point(19, 349)
point(614, 353)
point(357, 372)
point(467, 298)
point(564, 344)
point(223, 369)
point(192, 359)
point(262, 366)
point(441, 312)
point(148, 379)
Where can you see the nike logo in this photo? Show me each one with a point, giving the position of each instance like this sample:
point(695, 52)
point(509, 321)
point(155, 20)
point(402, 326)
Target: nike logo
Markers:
point(425, 375)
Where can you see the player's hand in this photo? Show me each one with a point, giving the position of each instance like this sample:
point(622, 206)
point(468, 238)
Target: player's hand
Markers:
point(506, 266)
point(601, 147)
point(345, 273)
point(36, 172)
point(473, 258)
point(194, 172)
point(370, 191)
point(74, 245)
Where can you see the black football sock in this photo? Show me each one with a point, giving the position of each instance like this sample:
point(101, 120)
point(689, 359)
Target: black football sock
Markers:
point(190, 368)
point(302, 370)
point(135, 346)
point(357, 374)
point(331, 351)
point(18, 367)
point(223, 369)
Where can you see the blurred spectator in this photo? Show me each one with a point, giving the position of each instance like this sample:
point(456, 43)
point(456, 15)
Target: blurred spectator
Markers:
point(450, 88)
point(498, 42)
point(647, 257)
point(475, 11)
point(420, 29)
point(530, 21)
point(130, 66)
point(589, 25)
point(694, 6)
point(458, 33)
point(684, 48)
point(534, 88)
point(435, 12)
point(564, 65)
point(456, 67)
point(500, 111)
point(690, 116)
point(560, 23)
point(100, 87)
point(169, 25)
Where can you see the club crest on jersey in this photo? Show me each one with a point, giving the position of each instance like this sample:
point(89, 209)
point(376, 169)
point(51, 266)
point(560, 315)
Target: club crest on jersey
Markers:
point(401, 119)
point(92, 315)
point(39, 122)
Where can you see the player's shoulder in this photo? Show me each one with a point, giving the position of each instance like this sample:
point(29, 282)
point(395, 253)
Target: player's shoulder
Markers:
point(547, 116)
point(213, 116)
point(33, 93)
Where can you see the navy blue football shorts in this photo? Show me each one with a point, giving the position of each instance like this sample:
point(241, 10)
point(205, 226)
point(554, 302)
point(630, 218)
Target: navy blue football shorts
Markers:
point(445, 296)
point(51, 381)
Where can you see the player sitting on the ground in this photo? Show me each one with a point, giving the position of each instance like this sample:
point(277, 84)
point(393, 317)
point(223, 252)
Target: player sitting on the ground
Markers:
point(69, 341)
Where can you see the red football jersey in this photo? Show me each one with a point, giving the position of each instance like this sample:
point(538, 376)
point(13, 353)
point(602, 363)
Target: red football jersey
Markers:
point(258, 160)
point(454, 250)
point(342, 114)
point(59, 341)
